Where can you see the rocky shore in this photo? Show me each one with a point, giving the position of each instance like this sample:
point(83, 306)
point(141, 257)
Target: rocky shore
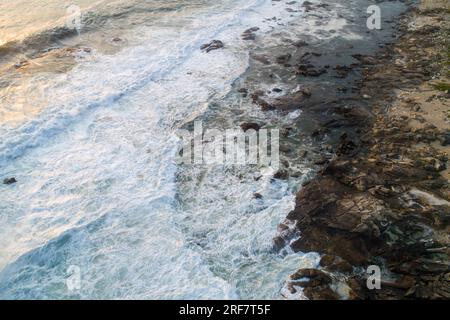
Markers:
point(383, 197)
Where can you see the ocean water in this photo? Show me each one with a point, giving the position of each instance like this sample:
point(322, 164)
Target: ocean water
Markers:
point(88, 126)
point(94, 146)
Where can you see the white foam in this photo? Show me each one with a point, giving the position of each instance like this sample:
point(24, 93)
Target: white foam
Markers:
point(97, 180)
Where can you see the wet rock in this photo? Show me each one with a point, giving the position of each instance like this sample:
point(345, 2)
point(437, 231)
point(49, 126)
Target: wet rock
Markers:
point(21, 64)
point(213, 45)
point(293, 101)
point(283, 59)
point(445, 139)
point(432, 164)
point(281, 175)
point(261, 58)
point(265, 106)
point(321, 293)
point(316, 284)
point(300, 44)
point(342, 71)
point(249, 34)
point(243, 91)
point(316, 277)
point(364, 59)
point(278, 243)
point(256, 95)
point(9, 181)
point(335, 263)
point(257, 195)
point(309, 70)
point(346, 146)
point(250, 125)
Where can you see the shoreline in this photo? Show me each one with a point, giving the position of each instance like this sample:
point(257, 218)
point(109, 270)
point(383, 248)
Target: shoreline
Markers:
point(383, 199)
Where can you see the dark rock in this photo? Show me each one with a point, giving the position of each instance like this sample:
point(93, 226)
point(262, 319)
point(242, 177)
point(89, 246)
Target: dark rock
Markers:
point(300, 43)
point(293, 101)
point(282, 175)
point(249, 34)
point(213, 45)
point(316, 284)
point(342, 71)
point(313, 274)
point(261, 58)
point(321, 293)
point(308, 70)
point(278, 243)
point(250, 125)
point(265, 106)
point(335, 263)
point(284, 59)
point(257, 195)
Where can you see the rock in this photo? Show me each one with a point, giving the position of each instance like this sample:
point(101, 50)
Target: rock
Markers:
point(293, 101)
point(249, 34)
point(282, 175)
point(321, 161)
point(335, 263)
point(283, 59)
point(346, 147)
point(308, 70)
point(363, 208)
point(261, 58)
point(319, 277)
point(213, 45)
point(300, 43)
point(21, 64)
point(432, 164)
point(9, 181)
point(321, 293)
point(316, 284)
point(342, 71)
point(243, 91)
point(250, 125)
point(265, 106)
point(278, 243)
point(257, 195)
point(366, 60)
point(445, 139)
point(253, 29)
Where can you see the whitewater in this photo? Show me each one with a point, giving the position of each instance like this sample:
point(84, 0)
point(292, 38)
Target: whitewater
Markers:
point(99, 188)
